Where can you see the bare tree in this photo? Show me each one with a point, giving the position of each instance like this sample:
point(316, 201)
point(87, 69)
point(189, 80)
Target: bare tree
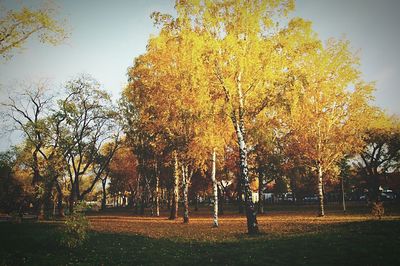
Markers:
point(31, 112)
point(90, 122)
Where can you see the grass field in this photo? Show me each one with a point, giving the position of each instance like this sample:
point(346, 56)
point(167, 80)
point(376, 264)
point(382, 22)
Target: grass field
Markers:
point(290, 236)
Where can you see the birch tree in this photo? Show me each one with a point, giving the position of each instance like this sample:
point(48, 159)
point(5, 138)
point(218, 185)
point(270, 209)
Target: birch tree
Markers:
point(170, 80)
point(329, 105)
point(242, 56)
point(123, 172)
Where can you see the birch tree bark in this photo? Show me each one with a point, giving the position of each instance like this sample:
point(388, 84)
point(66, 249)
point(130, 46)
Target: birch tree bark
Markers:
point(320, 191)
point(185, 183)
point(175, 197)
point(157, 192)
point(251, 214)
point(215, 188)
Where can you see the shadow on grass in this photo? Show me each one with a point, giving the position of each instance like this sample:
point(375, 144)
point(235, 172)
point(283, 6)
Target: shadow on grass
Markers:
point(356, 243)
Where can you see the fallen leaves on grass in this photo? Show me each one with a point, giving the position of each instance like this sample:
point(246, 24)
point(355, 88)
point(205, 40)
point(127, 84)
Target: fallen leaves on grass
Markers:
point(232, 227)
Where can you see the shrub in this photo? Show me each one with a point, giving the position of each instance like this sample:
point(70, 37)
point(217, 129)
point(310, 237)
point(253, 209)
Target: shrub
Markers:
point(75, 230)
point(377, 209)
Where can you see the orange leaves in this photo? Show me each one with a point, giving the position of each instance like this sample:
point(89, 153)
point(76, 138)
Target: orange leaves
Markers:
point(173, 95)
point(281, 87)
point(231, 226)
point(325, 116)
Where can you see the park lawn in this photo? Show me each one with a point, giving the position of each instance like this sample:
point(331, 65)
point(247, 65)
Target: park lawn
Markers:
point(286, 239)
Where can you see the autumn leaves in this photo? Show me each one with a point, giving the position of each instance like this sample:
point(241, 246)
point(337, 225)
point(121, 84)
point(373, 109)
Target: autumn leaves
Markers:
point(226, 71)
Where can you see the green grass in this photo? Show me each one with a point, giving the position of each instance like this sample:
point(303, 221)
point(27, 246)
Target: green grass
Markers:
point(358, 243)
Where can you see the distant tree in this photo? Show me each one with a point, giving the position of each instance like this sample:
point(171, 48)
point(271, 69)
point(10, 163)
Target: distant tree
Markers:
point(345, 171)
point(266, 156)
point(11, 190)
point(171, 123)
point(102, 166)
point(145, 139)
point(32, 113)
point(90, 122)
point(281, 185)
point(123, 174)
point(17, 26)
point(381, 154)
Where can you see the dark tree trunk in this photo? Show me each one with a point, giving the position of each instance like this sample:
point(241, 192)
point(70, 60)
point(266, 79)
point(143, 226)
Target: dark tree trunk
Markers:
point(77, 191)
point(47, 202)
point(169, 200)
point(174, 210)
point(104, 195)
point(294, 195)
point(374, 194)
point(70, 204)
point(142, 205)
point(196, 206)
point(72, 199)
point(343, 195)
point(293, 185)
point(74, 196)
point(260, 192)
point(60, 207)
point(136, 206)
point(373, 189)
point(220, 201)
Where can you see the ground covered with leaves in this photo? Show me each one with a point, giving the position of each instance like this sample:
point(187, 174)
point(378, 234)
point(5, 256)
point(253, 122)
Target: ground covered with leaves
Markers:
point(288, 237)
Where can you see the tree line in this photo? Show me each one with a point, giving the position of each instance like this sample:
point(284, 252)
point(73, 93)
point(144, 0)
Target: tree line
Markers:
point(225, 93)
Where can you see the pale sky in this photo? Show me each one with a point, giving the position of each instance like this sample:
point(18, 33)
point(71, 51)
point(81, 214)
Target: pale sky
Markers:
point(106, 36)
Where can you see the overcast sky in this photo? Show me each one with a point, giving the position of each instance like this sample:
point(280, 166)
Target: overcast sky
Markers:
point(106, 36)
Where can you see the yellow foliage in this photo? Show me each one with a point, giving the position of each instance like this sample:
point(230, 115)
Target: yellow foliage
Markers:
point(254, 184)
point(18, 26)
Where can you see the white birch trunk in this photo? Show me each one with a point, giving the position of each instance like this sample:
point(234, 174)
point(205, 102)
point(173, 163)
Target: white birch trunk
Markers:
point(320, 191)
point(215, 189)
point(157, 194)
point(251, 214)
point(185, 181)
